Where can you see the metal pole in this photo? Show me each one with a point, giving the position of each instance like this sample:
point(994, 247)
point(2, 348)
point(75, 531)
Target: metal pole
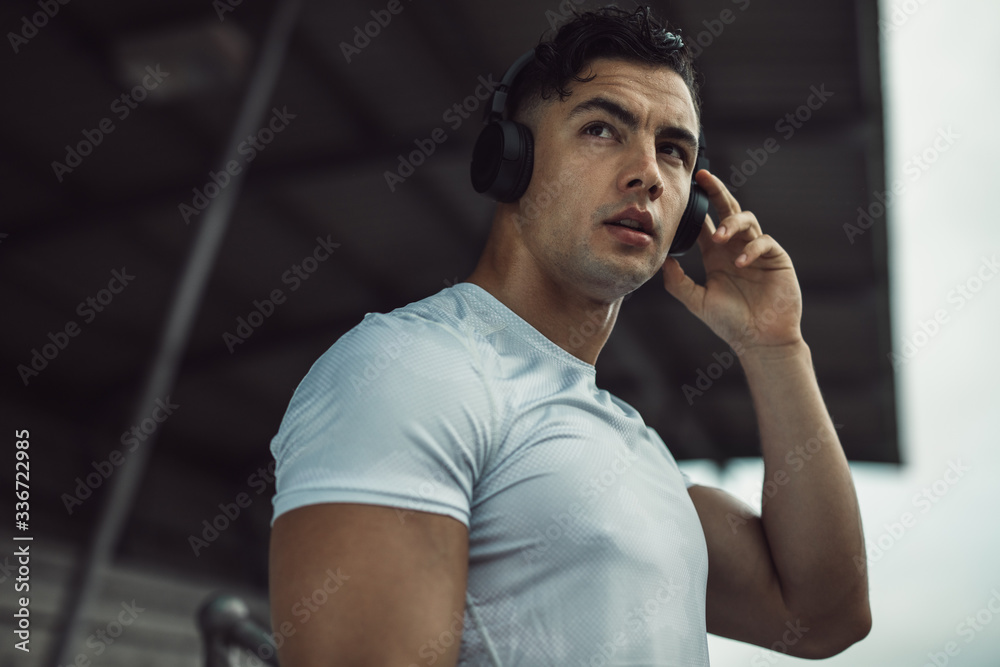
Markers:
point(163, 369)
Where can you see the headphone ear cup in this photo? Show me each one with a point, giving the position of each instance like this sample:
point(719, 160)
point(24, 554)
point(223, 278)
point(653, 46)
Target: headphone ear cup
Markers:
point(525, 164)
point(502, 160)
point(691, 222)
point(486, 158)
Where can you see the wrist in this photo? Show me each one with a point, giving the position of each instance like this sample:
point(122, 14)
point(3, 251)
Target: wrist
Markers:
point(760, 357)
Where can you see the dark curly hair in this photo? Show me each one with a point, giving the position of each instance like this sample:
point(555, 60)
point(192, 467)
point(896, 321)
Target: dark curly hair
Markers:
point(608, 32)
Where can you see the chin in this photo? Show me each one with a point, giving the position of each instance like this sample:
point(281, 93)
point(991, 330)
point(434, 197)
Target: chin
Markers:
point(606, 278)
point(615, 283)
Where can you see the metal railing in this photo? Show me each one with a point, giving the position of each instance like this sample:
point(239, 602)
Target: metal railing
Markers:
point(225, 624)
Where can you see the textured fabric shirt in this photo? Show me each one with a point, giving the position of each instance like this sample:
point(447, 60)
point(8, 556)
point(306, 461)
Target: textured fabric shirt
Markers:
point(584, 546)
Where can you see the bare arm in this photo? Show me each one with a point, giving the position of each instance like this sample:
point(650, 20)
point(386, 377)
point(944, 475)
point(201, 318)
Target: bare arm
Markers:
point(744, 598)
point(358, 585)
point(812, 521)
point(797, 562)
point(789, 576)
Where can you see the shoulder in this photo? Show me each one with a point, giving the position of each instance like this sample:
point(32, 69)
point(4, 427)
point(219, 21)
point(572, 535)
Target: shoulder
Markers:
point(417, 343)
point(398, 400)
point(423, 354)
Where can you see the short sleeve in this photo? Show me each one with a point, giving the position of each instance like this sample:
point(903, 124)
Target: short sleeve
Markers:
point(655, 437)
point(395, 413)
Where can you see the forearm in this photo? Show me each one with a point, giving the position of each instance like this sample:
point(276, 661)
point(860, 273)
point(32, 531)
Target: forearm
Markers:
point(810, 509)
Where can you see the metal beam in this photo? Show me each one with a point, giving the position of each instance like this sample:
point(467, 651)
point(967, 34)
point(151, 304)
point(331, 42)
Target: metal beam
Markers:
point(163, 370)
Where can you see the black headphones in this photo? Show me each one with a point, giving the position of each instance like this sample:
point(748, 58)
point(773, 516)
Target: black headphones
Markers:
point(503, 158)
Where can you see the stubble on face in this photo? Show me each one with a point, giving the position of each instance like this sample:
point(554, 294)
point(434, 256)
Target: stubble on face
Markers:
point(575, 185)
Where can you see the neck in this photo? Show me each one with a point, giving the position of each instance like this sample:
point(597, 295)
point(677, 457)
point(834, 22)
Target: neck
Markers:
point(576, 322)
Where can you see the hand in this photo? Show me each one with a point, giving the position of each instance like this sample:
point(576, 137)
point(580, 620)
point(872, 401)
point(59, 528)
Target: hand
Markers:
point(751, 297)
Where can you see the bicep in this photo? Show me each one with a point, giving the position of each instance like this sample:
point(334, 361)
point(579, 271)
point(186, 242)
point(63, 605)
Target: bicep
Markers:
point(366, 584)
point(744, 600)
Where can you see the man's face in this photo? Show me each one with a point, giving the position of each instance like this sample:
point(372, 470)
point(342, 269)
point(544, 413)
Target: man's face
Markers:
point(622, 145)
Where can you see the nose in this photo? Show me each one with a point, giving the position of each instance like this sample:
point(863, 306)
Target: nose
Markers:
point(642, 172)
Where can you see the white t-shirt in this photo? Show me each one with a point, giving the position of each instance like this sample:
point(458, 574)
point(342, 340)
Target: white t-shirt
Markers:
point(584, 546)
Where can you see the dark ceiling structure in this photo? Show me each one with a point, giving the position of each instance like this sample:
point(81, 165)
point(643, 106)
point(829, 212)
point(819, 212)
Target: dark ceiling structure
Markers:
point(122, 139)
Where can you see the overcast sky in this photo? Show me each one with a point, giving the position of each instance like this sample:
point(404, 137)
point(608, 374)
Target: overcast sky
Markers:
point(941, 68)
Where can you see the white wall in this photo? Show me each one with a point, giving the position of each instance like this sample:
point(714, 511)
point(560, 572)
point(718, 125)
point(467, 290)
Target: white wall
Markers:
point(941, 70)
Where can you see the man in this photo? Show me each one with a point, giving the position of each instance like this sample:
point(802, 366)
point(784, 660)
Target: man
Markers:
point(453, 465)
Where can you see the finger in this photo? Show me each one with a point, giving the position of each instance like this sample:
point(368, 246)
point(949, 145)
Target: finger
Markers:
point(743, 224)
point(762, 246)
point(681, 287)
point(707, 233)
point(724, 202)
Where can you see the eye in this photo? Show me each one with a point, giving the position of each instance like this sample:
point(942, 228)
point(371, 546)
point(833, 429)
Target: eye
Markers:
point(675, 150)
point(600, 130)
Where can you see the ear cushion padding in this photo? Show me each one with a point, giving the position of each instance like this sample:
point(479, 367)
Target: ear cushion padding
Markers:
point(697, 206)
point(486, 158)
point(691, 222)
point(502, 160)
point(526, 163)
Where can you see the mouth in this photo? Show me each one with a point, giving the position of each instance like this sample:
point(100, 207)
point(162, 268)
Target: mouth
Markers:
point(639, 225)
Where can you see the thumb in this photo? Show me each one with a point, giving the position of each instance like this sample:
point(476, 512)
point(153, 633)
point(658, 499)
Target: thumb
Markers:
point(681, 287)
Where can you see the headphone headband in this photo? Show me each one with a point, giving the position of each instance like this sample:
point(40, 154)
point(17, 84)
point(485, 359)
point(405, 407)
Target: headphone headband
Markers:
point(496, 109)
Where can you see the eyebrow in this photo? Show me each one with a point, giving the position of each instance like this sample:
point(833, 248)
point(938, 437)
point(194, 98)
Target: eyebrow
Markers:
point(631, 121)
